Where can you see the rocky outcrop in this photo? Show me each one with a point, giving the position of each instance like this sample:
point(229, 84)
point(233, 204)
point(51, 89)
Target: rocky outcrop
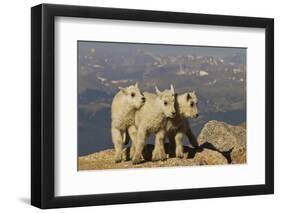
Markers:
point(228, 139)
point(219, 144)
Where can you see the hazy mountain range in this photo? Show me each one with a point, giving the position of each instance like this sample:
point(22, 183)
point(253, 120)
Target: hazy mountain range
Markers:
point(218, 75)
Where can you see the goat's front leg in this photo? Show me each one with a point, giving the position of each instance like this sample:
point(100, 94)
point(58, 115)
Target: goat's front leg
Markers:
point(118, 144)
point(192, 139)
point(132, 130)
point(179, 146)
point(159, 149)
point(171, 138)
point(139, 145)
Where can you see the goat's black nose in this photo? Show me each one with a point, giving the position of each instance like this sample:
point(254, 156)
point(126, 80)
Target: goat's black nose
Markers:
point(174, 113)
point(197, 115)
point(143, 99)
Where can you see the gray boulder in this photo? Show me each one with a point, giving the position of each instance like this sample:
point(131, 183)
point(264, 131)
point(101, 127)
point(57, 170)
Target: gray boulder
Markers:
point(228, 139)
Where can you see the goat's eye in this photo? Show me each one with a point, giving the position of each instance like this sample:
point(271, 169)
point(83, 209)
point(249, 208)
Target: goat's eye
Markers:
point(133, 95)
point(165, 103)
point(192, 104)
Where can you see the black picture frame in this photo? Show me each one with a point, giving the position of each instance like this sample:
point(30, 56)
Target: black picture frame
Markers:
point(43, 102)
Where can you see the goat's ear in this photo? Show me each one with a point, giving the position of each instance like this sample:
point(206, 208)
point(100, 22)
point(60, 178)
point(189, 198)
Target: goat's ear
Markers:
point(188, 96)
point(172, 89)
point(136, 85)
point(123, 90)
point(157, 91)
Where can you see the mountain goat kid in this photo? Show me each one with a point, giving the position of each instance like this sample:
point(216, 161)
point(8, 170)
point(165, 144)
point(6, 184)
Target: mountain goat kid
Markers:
point(124, 105)
point(177, 127)
point(152, 118)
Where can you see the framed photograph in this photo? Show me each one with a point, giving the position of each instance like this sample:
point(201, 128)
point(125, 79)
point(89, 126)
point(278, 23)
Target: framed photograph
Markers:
point(139, 106)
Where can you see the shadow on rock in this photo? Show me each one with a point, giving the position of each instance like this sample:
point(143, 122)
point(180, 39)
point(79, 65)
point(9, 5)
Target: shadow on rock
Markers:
point(189, 151)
